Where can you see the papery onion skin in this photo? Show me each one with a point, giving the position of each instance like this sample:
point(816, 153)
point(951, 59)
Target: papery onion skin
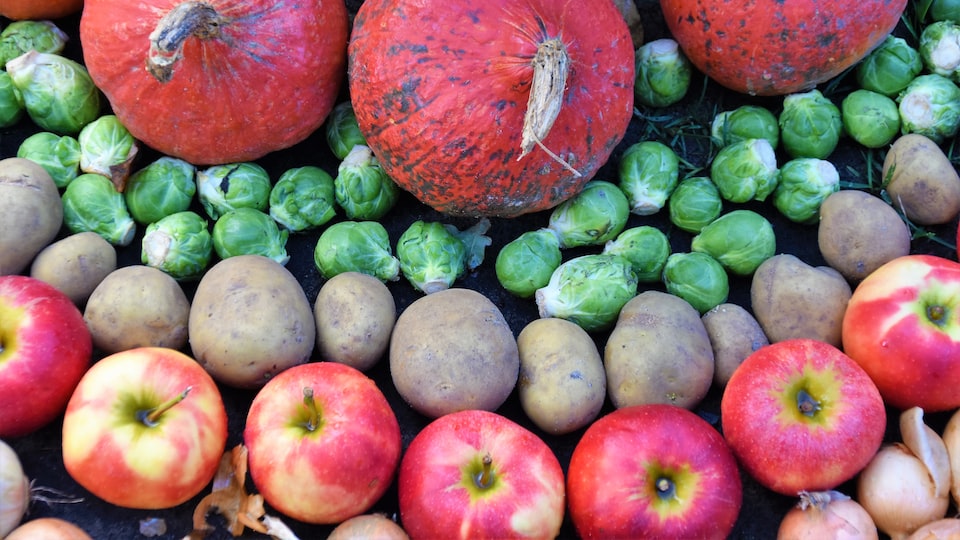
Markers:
point(832, 516)
point(14, 490)
point(941, 529)
point(951, 439)
point(48, 528)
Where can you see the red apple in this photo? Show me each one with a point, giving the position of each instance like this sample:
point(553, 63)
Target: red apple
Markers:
point(145, 428)
point(801, 415)
point(323, 442)
point(45, 347)
point(477, 474)
point(653, 471)
point(902, 325)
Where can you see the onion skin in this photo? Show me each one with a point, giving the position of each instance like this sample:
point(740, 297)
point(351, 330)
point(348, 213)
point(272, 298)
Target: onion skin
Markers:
point(835, 517)
point(941, 529)
point(951, 439)
point(48, 528)
point(14, 490)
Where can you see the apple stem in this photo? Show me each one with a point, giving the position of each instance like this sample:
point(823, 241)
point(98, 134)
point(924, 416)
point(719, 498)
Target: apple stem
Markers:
point(313, 421)
point(807, 404)
point(150, 417)
point(485, 478)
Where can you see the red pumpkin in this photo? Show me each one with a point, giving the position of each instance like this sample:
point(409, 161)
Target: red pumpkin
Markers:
point(441, 89)
point(778, 47)
point(230, 81)
point(19, 10)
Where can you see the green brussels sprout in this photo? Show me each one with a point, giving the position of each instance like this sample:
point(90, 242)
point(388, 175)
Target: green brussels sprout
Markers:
point(58, 93)
point(431, 258)
point(697, 278)
point(804, 184)
point(745, 170)
point(526, 263)
point(105, 146)
point(648, 171)
point(179, 244)
point(226, 187)
point(745, 122)
point(590, 218)
point(475, 240)
point(589, 290)
point(11, 102)
point(663, 73)
point(362, 188)
point(810, 125)
point(19, 37)
point(342, 131)
point(940, 48)
point(739, 240)
point(930, 106)
point(163, 187)
point(695, 203)
point(944, 10)
point(890, 67)
point(647, 249)
point(303, 198)
point(59, 155)
point(248, 231)
point(870, 118)
point(92, 203)
point(356, 246)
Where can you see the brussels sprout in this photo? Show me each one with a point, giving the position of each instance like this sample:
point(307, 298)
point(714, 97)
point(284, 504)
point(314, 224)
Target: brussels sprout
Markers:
point(11, 102)
point(362, 188)
point(695, 203)
point(698, 278)
point(179, 244)
point(940, 48)
point(590, 218)
point(342, 130)
point(649, 171)
point(92, 203)
point(890, 67)
point(663, 73)
point(222, 188)
point(804, 184)
point(22, 36)
point(589, 290)
point(475, 240)
point(745, 170)
point(944, 10)
point(431, 258)
point(739, 240)
point(745, 122)
point(248, 231)
point(870, 118)
point(58, 93)
point(356, 246)
point(303, 198)
point(163, 187)
point(645, 247)
point(59, 155)
point(930, 106)
point(526, 263)
point(107, 148)
point(810, 125)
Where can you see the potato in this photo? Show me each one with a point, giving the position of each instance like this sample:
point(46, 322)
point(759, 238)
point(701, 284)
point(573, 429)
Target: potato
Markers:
point(31, 213)
point(137, 306)
point(250, 319)
point(76, 264)
point(792, 299)
point(453, 350)
point(562, 384)
point(658, 352)
point(355, 314)
point(734, 335)
point(859, 232)
point(921, 180)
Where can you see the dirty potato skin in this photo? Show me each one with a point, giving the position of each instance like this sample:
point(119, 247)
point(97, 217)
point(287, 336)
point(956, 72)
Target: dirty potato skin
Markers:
point(31, 213)
point(734, 335)
point(355, 314)
point(921, 180)
point(76, 264)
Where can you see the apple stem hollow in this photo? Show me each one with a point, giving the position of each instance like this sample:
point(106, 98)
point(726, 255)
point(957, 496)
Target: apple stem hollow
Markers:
point(666, 488)
point(150, 417)
point(485, 478)
point(806, 403)
point(313, 418)
point(936, 314)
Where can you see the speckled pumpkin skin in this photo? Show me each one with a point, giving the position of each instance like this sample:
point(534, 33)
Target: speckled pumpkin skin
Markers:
point(778, 47)
point(440, 88)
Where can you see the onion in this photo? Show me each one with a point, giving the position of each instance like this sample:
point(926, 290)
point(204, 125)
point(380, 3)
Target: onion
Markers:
point(14, 490)
point(48, 528)
point(941, 529)
point(951, 439)
point(827, 515)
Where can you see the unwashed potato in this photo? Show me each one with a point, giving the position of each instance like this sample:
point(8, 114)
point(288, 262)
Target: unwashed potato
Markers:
point(250, 319)
point(76, 264)
point(921, 180)
point(137, 306)
point(859, 232)
point(734, 335)
point(453, 350)
point(562, 383)
point(31, 213)
point(792, 299)
point(355, 314)
point(658, 352)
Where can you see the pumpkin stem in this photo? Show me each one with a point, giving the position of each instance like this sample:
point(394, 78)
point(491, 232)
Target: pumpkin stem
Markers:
point(551, 65)
point(198, 19)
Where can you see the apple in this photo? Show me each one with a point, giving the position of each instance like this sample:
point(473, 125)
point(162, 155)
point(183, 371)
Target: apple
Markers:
point(653, 471)
point(45, 347)
point(145, 428)
point(902, 325)
point(800, 415)
point(478, 474)
point(323, 443)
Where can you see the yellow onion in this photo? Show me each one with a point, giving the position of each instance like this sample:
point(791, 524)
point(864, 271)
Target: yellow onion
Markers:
point(14, 490)
point(941, 529)
point(951, 439)
point(827, 515)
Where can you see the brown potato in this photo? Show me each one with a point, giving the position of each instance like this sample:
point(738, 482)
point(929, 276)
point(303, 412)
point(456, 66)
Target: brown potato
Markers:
point(76, 264)
point(734, 335)
point(921, 180)
point(31, 213)
point(355, 314)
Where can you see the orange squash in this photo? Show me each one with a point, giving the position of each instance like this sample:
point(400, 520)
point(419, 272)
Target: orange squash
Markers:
point(19, 10)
